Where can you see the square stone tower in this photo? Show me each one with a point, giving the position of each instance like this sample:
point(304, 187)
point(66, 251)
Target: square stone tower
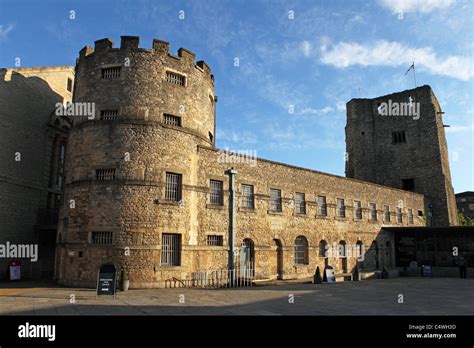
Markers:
point(398, 140)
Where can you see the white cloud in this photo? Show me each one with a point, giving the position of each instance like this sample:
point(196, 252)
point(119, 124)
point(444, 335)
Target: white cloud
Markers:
point(423, 6)
point(306, 48)
point(4, 31)
point(384, 53)
point(309, 110)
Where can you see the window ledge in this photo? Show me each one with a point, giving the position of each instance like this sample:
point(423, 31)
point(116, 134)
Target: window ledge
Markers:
point(274, 212)
point(340, 218)
point(170, 268)
point(324, 217)
point(165, 202)
point(247, 210)
point(300, 215)
point(357, 220)
point(215, 206)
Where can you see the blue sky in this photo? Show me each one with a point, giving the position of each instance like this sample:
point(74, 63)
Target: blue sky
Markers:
point(328, 53)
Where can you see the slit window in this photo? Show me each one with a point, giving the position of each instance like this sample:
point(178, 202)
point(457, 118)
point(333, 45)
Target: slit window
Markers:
point(105, 174)
point(111, 73)
point(175, 79)
point(69, 85)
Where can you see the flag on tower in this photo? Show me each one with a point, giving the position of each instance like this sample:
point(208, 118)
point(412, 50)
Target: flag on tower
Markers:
point(412, 66)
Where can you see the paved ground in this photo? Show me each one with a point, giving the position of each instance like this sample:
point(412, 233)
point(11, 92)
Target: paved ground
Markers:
point(421, 296)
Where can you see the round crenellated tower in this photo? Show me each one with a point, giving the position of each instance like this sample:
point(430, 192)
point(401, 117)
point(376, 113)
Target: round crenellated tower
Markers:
point(152, 111)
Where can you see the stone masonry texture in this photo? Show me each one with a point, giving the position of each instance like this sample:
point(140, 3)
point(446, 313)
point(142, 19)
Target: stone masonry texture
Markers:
point(142, 147)
point(373, 157)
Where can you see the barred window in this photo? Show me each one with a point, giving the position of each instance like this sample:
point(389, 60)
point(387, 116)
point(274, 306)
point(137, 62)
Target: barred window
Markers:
point(217, 194)
point(173, 187)
point(215, 240)
point(111, 73)
point(373, 211)
point(410, 216)
point(105, 174)
point(341, 208)
point(108, 114)
point(172, 120)
point(171, 249)
point(386, 213)
point(357, 210)
point(247, 196)
point(175, 79)
point(399, 215)
point(301, 251)
point(102, 238)
point(300, 203)
point(322, 207)
point(399, 137)
point(275, 200)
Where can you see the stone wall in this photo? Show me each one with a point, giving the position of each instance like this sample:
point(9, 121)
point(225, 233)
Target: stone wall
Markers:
point(141, 148)
point(28, 127)
point(373, 157)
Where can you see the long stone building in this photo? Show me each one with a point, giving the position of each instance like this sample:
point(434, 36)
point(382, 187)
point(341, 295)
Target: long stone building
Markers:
point(143, 187)
point(146, 189)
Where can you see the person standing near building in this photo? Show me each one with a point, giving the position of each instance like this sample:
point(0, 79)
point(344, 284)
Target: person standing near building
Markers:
point(463, 267)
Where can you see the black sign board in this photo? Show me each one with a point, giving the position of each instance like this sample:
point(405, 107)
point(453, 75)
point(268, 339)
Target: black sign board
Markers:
point(106, 280)
point(426, 271)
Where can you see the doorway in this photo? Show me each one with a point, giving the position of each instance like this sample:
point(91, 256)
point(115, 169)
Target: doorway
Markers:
point(279, 258)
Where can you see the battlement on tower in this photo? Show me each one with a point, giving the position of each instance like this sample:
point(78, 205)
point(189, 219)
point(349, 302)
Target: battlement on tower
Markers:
point(132, 43)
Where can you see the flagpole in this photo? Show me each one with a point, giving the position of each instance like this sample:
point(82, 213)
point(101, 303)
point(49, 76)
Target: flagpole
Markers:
point(414, 74)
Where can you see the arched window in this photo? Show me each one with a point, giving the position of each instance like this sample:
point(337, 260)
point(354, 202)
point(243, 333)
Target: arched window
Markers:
point(342, 249)
point(323, 252)
point(301, 251)
point(359, 249)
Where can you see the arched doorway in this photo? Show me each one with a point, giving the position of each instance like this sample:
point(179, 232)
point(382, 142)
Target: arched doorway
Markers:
point(247, 258)
point(279, 258)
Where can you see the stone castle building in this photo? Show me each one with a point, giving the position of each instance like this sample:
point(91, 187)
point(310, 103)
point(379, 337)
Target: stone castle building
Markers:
point(410, 153)
point(146, 189)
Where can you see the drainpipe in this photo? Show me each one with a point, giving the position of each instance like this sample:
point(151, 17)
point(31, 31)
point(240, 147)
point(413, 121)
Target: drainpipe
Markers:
point(231, 172)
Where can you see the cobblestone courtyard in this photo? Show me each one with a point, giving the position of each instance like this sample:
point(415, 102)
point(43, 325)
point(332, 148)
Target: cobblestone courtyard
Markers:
point(421, 296)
